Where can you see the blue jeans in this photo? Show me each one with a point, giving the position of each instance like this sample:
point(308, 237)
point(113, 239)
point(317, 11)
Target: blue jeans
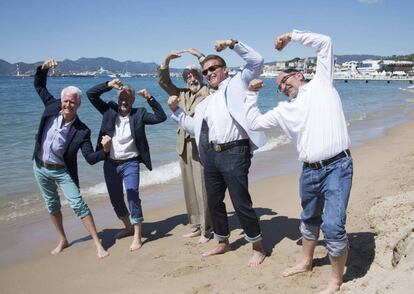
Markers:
point(324, 196)
point(117, 175)
point(228, 170)
point(49, 180)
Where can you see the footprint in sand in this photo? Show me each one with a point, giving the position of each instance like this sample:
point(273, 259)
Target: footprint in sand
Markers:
point(183, 271)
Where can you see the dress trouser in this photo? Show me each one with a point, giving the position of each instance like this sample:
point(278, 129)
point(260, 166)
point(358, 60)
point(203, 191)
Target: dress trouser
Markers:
point(195, 193)
point(229, 169)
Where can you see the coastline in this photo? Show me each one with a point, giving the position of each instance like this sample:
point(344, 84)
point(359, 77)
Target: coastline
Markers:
point(167, 262)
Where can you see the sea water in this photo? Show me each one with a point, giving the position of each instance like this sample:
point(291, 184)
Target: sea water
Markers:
point(370, 109)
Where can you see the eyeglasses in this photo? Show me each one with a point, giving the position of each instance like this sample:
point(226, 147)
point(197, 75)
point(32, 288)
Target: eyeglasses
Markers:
point(211, 69)
point(284, 80)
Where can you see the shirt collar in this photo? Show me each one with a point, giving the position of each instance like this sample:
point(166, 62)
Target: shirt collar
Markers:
point(60, 119)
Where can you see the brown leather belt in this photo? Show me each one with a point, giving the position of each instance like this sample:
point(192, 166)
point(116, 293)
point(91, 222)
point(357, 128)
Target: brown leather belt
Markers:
point(119, 161)
point(49, 165)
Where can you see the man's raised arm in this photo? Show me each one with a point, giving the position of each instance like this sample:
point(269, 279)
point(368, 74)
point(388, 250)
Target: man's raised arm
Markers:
point(320, 43)
point(254, 61)
point(40, 80)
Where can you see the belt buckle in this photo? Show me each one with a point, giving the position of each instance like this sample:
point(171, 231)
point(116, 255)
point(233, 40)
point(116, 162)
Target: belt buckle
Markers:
point(217, 147)
point(315, 165)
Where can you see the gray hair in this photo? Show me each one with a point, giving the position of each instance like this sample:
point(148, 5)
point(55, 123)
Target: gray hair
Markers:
point(72, 90)
point(129, 89)
point(190, 68)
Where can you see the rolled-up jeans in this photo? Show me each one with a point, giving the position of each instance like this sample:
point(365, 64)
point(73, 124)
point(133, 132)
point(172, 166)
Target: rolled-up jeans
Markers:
point(324, 196)
point(117, 175)
point(49, 180)
point(229, 170)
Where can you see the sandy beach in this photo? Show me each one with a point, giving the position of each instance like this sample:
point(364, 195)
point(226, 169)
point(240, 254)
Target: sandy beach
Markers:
point(380, 226)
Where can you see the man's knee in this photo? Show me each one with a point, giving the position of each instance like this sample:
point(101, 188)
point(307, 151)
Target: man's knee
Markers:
point(333, 230)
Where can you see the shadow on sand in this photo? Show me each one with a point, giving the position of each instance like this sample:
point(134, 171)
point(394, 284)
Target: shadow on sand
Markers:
point(274, 230)
point(360, 256)
point(150, 231)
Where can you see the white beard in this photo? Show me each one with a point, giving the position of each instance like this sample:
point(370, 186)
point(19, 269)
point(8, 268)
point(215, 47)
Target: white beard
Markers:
point(194, 88)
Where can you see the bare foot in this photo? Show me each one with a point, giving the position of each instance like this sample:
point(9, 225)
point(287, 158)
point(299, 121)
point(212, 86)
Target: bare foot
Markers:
point(135, 245)
point(194, 233)
point(203, 239)
point(331, 288)
point(221, 248)
point(129, 231)
point(299, 268)
point(258, 255)
point(62, 245)
point(102, 253)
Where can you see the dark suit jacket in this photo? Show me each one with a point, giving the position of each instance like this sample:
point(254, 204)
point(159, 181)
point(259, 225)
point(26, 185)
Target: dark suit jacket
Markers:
point(138, 118)
point(79, 136)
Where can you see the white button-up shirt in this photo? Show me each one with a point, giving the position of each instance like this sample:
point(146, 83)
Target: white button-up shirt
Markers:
point(221, 126)
point(123, 144)
point(314, 120)
point(233, 93)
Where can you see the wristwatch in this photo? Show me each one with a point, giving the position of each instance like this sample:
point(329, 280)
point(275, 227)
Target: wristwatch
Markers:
point(233, 43)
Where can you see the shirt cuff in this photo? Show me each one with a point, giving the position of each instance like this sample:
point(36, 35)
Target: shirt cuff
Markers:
point(201, 59)
point(177, 112)
point(163, 66)
point(252, 96)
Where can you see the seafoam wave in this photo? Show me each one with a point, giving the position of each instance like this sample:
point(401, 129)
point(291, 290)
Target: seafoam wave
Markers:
point(359, 118)
point(273, 143)
point(408, 89)
point(15, 207)
point(159, 175)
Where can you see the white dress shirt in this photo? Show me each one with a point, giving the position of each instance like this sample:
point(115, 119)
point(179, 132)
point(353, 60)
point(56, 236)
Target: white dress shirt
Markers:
point(314, 120)
point(123, 144)
point(230, 96)
point(221, 126)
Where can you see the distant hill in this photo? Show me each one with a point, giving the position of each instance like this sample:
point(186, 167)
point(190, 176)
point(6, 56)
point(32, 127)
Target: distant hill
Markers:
point(82, 65)
point(68, 66)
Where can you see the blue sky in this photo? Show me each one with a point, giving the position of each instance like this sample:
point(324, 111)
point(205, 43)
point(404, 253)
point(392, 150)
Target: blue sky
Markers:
point(146, 30)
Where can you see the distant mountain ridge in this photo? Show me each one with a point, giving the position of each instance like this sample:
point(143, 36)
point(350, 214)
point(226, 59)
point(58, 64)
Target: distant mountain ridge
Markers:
point(82, 65)
point(135, 67)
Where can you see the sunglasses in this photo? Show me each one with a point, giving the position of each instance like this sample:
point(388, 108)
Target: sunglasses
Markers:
point(284, 80)
point(211, 69)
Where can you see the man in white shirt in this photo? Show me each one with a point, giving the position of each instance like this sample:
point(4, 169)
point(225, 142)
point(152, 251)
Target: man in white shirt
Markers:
point(225, 144)
point(313, 118)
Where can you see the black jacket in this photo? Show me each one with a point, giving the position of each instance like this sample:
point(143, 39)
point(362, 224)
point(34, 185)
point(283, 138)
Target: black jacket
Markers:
point(138, 118)
point(79, 136)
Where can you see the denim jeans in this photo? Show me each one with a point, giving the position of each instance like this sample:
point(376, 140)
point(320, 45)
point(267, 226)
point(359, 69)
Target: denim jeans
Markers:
point(125, 174)
point(324, 196)
point(49, 180)
point(228, 170)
